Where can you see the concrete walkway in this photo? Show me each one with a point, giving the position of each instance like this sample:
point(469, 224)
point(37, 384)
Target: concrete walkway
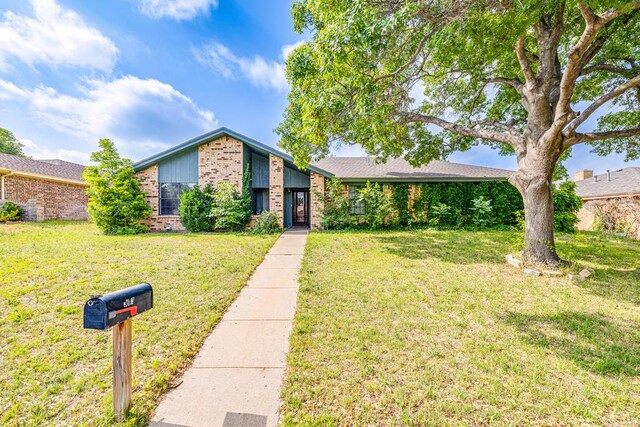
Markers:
point(235, 379)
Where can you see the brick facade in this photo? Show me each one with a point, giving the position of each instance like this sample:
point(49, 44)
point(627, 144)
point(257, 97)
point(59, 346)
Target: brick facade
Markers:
point(221, 161)
point(317, 201)
point(276, 187)
point(58, 200)
point(149, 182)
point(621, 213)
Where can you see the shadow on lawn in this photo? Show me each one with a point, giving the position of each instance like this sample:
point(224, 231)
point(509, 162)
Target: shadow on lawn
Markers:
point(458, 247)
point(593, 341)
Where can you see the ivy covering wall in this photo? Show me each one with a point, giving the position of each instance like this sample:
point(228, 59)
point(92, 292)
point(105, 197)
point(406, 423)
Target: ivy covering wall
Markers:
point(459, 196)
point(449, 204)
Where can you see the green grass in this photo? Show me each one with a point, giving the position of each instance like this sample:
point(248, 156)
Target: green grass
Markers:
point(433, 328)
point(52, 371)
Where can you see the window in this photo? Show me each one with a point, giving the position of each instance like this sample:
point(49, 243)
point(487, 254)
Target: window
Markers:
point(169, 196)
point(260, 199)
point(356, 206)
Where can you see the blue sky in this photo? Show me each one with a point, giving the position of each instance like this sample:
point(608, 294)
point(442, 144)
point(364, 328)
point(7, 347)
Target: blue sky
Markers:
point(150, 74)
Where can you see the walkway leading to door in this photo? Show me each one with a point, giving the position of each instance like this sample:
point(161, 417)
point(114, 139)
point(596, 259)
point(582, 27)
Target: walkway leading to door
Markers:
point(235, 379)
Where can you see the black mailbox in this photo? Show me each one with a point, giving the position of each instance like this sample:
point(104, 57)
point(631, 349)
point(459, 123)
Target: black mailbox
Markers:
point(105, 311)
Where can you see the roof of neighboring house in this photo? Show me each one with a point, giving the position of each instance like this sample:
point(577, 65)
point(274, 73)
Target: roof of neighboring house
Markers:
point(213, 135)
point(364, 168)
point(623, 182)
point(53, 168)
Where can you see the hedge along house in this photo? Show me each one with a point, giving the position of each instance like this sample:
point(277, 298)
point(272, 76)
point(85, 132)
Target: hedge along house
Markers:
point(46, 189)
point(355, 172)
point(276, 183)
point(222, 156)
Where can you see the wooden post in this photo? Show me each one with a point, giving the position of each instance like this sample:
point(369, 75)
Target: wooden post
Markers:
point(121, 368)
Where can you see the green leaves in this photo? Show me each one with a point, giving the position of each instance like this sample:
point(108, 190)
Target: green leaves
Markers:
point(116, 201)
point(9, 144)
point(358, 77)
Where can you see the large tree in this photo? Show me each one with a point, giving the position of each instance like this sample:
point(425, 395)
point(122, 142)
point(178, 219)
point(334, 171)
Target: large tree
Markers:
point(422, 79)
point(9, 144)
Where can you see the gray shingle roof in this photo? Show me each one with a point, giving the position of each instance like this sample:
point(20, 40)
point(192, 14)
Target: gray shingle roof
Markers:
point(54, 168)
point(352, 168)
point(624, 181)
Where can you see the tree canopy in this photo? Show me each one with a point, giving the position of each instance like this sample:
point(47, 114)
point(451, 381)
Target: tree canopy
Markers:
point(422, 79)
point(9, 144)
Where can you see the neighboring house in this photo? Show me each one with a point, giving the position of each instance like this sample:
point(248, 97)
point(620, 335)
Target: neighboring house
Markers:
point(277, 184)
point(613, 197)
point(47, 189)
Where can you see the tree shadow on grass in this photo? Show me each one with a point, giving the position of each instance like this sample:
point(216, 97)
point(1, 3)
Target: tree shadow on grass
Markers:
point(594, 342)
point(459, 247)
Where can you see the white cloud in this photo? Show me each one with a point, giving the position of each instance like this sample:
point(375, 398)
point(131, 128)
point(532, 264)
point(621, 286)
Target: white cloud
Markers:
point(176, 9)
point(259, 71)
point(54, 36)
point(142, 115)
point(42, 152)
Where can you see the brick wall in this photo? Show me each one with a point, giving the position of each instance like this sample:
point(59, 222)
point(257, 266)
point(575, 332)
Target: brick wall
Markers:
point(620, 213)
point(149, 182)
point(276, 187)
point(220, 161)
point(59, 200)
point(317, 202)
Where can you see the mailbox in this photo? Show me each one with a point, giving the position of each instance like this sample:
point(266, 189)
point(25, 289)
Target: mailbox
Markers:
point(105, 311)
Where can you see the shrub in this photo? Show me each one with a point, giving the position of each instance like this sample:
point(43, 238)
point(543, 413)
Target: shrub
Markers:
point(116, 201)
point(10, 212)
point(231, 210)
point(440, 214)
point(195, 208)
point(481, 212)
point(335, 214)
point(377, 207)
point(566, 205)
point(266, 223)
point(459, 196)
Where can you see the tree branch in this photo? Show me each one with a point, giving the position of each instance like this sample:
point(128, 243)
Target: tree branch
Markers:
point(514, 83)
point(470, 132)
point(593, 23)
point(601, 66)
point(570, 129)
point(600, 136)
point(529, 77)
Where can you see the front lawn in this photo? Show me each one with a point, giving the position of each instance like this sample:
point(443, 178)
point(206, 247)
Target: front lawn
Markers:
point(52, 371)
point(433, 328)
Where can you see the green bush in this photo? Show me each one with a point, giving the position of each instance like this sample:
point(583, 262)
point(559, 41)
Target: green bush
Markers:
point(116, 202)
point(566, 205)
point(440, 214)
point(10, 212)
point(195, 208)
point(481, 212)
point(228, 211)
point(266, 223)
point(377, 206)
point(335, 214)
point(459, 196)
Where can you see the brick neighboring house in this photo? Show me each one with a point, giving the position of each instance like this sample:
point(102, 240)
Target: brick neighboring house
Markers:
point(613, 194)
point(277, 184)
point(47, 189)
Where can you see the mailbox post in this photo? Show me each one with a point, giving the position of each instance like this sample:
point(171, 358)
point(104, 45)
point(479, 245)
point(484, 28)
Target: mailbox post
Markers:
point(116, 310)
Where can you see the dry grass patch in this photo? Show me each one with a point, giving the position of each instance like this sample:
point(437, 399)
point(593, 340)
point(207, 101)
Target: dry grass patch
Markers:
point(433, 328)
point(53, 372)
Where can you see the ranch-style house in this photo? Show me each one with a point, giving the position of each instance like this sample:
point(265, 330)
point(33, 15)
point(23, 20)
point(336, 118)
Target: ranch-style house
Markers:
point(276, 183)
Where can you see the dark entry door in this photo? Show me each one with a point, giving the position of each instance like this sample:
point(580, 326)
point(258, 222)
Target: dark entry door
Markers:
point(300, 208)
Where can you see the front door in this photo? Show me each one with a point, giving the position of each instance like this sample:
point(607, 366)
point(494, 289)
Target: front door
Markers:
point(300, 208)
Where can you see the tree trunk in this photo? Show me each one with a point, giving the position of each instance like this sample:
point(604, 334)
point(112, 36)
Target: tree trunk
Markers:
point(539, 243)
